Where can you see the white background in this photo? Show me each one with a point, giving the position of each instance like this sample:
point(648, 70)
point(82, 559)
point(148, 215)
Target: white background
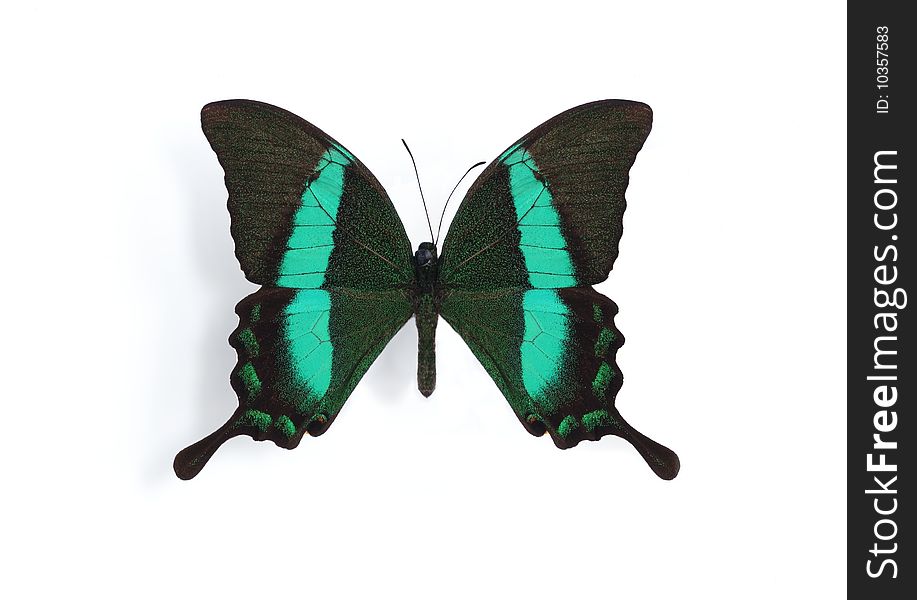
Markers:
point(120, 283)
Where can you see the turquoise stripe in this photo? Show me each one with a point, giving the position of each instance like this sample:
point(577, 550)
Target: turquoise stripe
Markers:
point(305, 344)
point(538, 216)
point(537, 255)
point(549, 280)
point(308, 339)
point(303, 266)
point(305, 261)
point(541, 241)
point(317, 255)
point(544, 237)
point(308, 281)
point(308, 237)
point(312, 215)
point(544, 341)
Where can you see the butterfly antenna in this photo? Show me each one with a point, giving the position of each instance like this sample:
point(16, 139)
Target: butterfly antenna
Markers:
point(438, 229)
point(424, 200)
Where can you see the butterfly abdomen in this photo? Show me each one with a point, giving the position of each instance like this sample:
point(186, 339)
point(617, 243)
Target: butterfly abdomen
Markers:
point(426, 318)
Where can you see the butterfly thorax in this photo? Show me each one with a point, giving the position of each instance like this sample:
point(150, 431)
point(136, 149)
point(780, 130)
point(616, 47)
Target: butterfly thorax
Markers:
point(426, 267)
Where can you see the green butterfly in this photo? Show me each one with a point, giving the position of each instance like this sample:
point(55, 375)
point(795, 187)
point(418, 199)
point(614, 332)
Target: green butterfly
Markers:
point(535, 231)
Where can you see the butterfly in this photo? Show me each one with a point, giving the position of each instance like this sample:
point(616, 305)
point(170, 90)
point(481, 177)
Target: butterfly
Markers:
point(535, 231)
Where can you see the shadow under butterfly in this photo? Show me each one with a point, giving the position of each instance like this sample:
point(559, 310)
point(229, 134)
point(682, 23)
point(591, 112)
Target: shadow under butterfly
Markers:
point(537, 228)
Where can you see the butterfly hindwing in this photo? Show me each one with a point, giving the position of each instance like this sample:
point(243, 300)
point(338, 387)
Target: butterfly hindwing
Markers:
point(315, 228)
point(552, 354)
point(300, 354)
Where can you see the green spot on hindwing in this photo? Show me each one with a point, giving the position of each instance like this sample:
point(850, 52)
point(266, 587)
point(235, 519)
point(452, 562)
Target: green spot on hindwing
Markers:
point(542, 243)
point(285, 425)
point(597, 418)
point(606, 336)
point(567, 426)
point(256, 418)
point(596, 313)
point(602, 379)
point(256, 313)
point(250, 379)
point(250, 342)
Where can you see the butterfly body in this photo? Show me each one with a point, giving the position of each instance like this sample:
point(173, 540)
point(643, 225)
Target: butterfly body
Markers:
point(426, 315)
point(537, 229)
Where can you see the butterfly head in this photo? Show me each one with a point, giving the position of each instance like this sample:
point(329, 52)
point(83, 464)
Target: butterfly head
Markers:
point(426, 266)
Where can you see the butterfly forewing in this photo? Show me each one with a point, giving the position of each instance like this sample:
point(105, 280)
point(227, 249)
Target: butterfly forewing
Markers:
point(548, 212)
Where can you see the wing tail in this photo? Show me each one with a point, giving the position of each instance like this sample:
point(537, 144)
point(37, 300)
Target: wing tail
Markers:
point(660, 459)
point(189, 462)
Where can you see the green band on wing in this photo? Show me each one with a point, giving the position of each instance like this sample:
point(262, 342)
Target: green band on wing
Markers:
point(285, 425)
point(602, 379)
point(606, 337)
point(567, 426)
point(250, 379)
point(544, 340)
point(255, 418)
point(250, 342)
point(306, 258)
point(308, 344)
point(597, 418)
point(542, 243)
